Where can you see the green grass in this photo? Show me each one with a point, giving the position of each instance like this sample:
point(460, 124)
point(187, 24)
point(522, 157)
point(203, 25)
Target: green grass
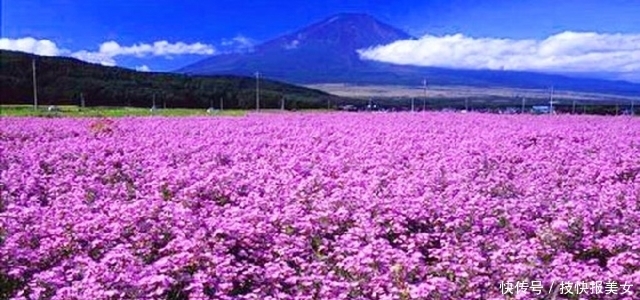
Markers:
point(75, 111)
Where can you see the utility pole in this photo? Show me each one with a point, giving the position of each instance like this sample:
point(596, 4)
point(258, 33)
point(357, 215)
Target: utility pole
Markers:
point(328, 103)
point(573, 110)
point(551, 101)
point(412, 104)
point(466, 103)
point(257, 91)
point(633, 111)
point(35, 86)
point(282, 104)
point(221, 104)
point(81, 100)
point(370, 107)
point(617, 108)
point(210, 108)
point(524, 100)
point(153, 108)
point(424, 100)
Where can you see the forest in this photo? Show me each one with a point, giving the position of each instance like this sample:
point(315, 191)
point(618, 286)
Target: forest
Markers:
point(66, 81)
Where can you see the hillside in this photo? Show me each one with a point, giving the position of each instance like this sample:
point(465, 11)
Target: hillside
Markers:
point(61, 81)
point(326, 52)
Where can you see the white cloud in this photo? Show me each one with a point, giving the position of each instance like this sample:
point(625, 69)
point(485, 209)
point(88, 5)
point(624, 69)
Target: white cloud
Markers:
point(563, 52)
point(160, 48)
point(239, 43)
point(31, 45)
point(107, 51)
point(94, 57)
point(143, 68)
point(292, 45)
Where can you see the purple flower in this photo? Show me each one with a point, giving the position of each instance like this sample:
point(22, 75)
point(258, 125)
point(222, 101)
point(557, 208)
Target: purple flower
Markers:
point(297, 206)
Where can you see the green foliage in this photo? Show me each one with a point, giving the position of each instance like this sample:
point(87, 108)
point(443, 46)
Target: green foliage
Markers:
point(75, 111)
point(61, 81)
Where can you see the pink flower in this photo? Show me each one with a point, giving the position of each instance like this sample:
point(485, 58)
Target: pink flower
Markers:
point(559, 225)
point(293, 205)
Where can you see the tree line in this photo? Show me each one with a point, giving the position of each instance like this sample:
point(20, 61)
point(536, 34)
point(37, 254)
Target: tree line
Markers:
point(64, 81)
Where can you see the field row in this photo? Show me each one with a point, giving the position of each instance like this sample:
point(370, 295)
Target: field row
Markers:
point(317, 206)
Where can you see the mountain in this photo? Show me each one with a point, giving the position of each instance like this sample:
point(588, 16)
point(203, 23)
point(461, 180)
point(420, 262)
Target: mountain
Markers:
point(325, 52)
point(61, 80)
point(319, 52)
point(337, 35)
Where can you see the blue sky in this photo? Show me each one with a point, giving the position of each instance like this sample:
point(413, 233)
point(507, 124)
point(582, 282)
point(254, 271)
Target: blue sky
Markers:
point(78, 28)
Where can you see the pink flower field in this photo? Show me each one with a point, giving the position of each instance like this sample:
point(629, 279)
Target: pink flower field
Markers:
point(320, 206)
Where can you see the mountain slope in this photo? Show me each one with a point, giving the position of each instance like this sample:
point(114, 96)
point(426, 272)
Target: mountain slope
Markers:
point(339, 34)
point(325, 48)
point(325, 52)
point(61, 80)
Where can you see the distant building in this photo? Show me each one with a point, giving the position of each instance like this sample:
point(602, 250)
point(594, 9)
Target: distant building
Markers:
point(511, 110)
point(349, 108)
point(628, 112)
point(541, 109)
